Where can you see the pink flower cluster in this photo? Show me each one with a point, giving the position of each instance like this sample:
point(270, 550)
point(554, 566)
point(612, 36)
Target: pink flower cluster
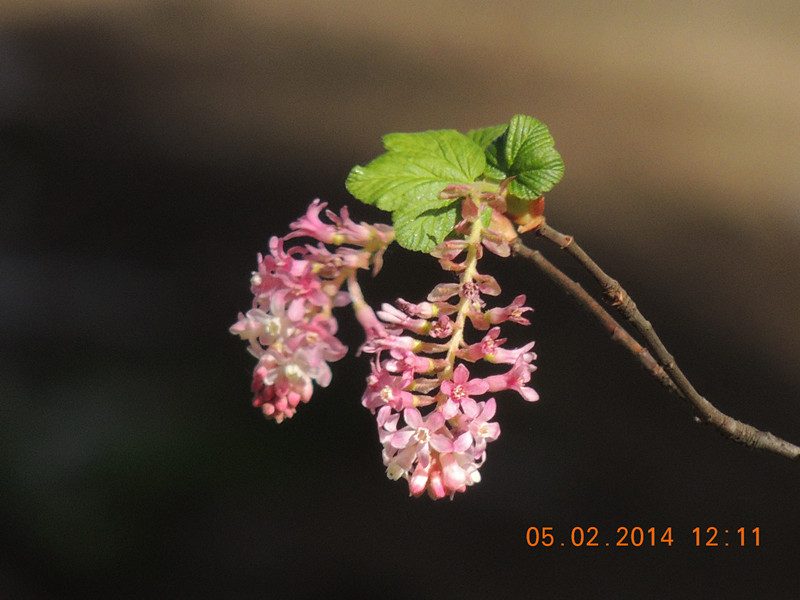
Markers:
point(434, 416)
point(419, 362)
point(290, 328)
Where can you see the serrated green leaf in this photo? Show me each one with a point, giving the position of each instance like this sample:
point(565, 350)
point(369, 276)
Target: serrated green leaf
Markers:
point(408, 178)
point(416, 168)
point(526, 151)
point(524, 135)
point(454, 147)
point(398, 179)
point(534, 182)
point(486, 135)
point(493, 172)
point(423, 230)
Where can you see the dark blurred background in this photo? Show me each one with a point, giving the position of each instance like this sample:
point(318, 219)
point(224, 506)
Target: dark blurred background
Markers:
point(149, 149)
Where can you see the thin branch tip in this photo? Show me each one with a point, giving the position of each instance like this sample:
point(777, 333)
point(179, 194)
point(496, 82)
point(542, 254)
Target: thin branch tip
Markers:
point(653, 356)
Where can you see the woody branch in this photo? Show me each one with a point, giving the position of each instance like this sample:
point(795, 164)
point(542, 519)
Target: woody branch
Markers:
point(663, 367)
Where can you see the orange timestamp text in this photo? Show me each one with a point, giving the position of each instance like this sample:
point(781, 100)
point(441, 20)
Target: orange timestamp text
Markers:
point(707, 537)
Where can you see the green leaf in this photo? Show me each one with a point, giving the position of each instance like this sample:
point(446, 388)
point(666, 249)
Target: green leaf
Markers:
point(493, 173)
point(486, 135)
point(416, 168)
point(526, 150)
point(423, 230)
point(397, 179)
point(408, 178)
point(486, 217)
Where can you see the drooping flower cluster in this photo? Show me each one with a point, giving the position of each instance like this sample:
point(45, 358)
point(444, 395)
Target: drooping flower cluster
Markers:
point(434, 417)
point(290, 328)
point(419, 360)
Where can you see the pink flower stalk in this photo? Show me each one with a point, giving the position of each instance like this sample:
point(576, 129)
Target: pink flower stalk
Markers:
point(417, 366)
point(291, 329)
point(433, 422)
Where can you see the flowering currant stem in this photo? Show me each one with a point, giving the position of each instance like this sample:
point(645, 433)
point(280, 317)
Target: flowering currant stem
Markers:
point(663, 367)
point(465, 302)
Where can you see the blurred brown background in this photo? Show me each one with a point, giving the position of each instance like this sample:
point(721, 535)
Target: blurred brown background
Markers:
point(149, 149)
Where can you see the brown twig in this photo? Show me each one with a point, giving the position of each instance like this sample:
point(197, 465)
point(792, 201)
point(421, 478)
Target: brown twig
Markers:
point(617, 332)
point(678, 382)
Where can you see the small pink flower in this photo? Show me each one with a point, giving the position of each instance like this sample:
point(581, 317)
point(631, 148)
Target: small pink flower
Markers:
point(406, 360)
point(441, 328)
point(311, 225)
point(387, 389)
point(317, 335)
point(402, 344)
point(496, 243)
point(452, 467)
point(459, 389)
point(515, 379)
point(512, 312)
point(342, 229)
point(393, 316)
point(471, 290)
point(257, 325)
point(425, 310)
point(490, 350)
point(443, 476)
point(420, 479)
point(292, 281)
point(487, 284)
point(443, 292)
point(448, 251)
point(454, 475)
point(410, 446)
point(475, 420)
point(418, 432)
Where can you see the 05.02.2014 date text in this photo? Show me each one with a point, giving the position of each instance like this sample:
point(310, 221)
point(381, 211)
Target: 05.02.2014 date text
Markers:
point(708, 537)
